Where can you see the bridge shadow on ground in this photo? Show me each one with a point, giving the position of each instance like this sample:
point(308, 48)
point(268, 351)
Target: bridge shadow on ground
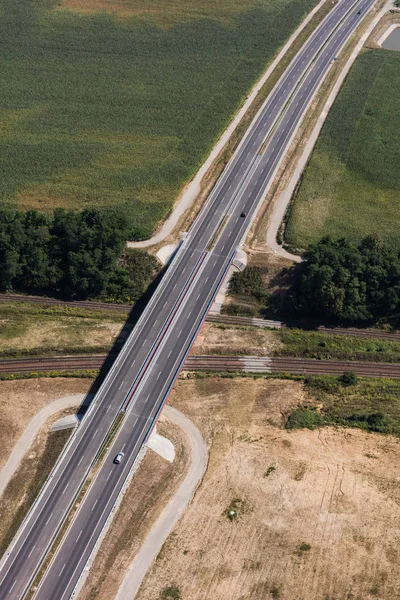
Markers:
point(134, 316)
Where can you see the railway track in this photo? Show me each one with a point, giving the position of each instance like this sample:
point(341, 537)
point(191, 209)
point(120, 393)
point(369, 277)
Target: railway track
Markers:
point(211, 318)
point(246, 364)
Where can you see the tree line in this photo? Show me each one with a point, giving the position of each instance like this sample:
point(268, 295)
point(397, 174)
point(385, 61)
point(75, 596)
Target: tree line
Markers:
point(347, 282)
point(73, 255)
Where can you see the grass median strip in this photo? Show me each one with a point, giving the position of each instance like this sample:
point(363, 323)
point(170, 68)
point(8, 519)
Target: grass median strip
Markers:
point(78, 500)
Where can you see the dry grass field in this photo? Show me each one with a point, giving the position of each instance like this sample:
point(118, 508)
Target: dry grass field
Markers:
point(21, 400)
point(165, 12)
point(225, 340)
point(39, 330)
point(316, 512)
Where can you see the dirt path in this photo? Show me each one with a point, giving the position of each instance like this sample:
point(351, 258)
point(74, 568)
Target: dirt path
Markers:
point(30, 433)
point(174, 509)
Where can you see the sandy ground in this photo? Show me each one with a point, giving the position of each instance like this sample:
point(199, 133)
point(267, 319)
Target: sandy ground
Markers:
point(152, 486)
point(214, 339)
point(21, 400)
point(317, 512)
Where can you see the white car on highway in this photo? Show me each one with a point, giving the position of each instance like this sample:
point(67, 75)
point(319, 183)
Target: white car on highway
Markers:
point(119, 458)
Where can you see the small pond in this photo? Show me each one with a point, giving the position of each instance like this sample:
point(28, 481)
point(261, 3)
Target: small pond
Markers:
point(392, 42)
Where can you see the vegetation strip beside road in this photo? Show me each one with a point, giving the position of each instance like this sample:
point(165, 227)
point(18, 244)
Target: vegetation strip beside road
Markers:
point(25, 485)
point(355, 161)
point(17, 313)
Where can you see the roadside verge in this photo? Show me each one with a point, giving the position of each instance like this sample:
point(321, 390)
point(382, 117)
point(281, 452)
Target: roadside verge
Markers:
point(285, 196)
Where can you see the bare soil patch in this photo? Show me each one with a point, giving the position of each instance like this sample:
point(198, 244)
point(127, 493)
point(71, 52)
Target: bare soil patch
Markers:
point(21, 400)
point(316, 512)
point(167, 12)
point(224, 340)
point(152, 486)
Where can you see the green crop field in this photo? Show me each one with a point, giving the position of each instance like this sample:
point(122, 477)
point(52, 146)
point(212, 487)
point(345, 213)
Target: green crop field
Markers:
point(351, 186)
point(115, 104)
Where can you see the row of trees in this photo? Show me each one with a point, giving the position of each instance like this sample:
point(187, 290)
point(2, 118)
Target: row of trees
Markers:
point(71, 254)
point(349, 283)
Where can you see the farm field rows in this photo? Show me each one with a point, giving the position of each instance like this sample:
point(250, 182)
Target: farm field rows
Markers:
point(116, 105)
point(351, 186)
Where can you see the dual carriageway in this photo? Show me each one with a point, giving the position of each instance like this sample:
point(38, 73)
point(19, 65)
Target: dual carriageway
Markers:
point(144, 372)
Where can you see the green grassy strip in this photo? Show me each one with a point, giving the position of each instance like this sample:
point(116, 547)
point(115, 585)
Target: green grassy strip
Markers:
point(351, 185)
point(84, 374)
point(19, 309)
point(371, 405)
point(323, 346)
point(49, 351)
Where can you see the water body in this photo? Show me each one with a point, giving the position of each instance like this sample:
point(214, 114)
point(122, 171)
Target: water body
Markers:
point(392, 42)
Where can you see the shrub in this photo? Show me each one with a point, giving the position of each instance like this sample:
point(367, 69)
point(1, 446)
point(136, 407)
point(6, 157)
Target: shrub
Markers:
point(270, 470)
point(171, 592)
point(249, 282)
point(349, 378)
point(304, 417)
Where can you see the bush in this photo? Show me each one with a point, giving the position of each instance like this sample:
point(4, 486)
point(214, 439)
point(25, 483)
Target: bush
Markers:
point(250, 282)
point(171, 592)
point(239, 309)
point(349, 378)
point(304, 417)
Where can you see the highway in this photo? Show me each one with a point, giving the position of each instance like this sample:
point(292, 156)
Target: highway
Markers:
point(153, 355)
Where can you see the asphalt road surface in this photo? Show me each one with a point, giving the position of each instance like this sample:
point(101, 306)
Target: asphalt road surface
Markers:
point(151, 359)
